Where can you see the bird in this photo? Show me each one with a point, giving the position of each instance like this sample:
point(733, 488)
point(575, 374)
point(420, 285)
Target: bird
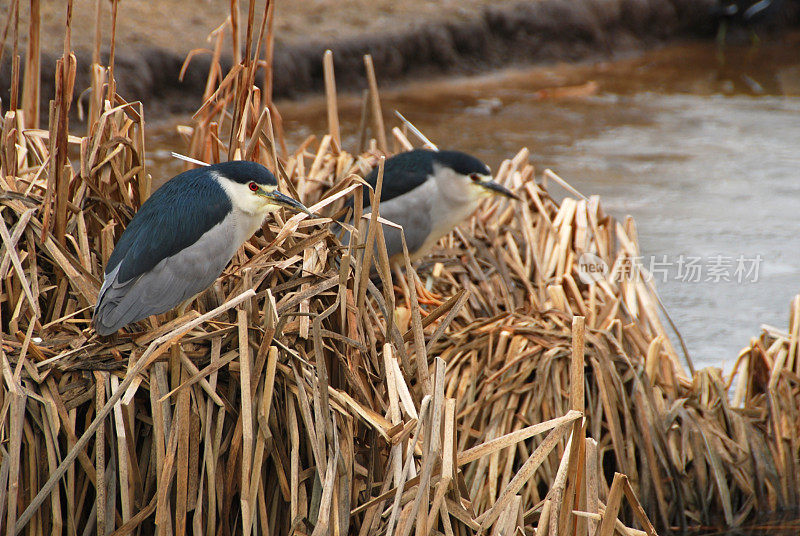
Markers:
point(428, 193)
point(182, 237)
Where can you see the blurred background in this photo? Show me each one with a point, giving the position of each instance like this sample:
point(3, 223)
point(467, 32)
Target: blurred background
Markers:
point(684, 114)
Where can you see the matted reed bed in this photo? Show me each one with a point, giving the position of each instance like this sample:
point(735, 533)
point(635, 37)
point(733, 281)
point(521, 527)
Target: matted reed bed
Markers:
point(487, 389)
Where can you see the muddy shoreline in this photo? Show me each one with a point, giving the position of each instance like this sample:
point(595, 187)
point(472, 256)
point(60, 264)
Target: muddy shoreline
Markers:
point(529, 32)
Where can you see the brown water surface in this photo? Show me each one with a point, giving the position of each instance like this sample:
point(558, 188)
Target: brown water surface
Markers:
point(703, 151)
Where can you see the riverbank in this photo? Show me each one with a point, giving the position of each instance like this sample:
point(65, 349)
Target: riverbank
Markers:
point(408, 41)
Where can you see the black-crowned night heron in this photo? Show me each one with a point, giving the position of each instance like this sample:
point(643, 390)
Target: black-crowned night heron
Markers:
point(182, 238)
point(428, 193)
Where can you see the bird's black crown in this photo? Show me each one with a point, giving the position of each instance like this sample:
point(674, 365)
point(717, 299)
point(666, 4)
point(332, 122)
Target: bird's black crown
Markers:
point(244, 171)
point(461, 163)
point(405, 171)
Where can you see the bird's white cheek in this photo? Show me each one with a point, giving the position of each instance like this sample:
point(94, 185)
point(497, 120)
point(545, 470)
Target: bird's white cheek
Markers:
point(253, 204)
point(256, 205)
point(478, 193)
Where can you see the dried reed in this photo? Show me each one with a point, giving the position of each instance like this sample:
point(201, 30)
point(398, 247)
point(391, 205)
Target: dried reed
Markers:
point(297, 396)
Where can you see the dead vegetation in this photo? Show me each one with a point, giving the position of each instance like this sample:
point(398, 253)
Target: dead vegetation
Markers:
point(299, 396)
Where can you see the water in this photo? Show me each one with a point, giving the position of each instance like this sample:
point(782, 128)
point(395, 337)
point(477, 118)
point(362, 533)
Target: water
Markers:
point(704, 153)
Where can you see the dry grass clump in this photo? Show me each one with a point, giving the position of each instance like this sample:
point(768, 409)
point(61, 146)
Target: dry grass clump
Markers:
point(299, 396)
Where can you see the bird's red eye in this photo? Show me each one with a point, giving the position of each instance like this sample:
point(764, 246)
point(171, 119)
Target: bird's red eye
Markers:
point(253, 187)
point(475, 177)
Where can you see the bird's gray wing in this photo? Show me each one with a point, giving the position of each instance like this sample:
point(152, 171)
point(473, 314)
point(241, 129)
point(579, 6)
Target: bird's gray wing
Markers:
point(413, 213)
point(172, 219)
point(169, 283)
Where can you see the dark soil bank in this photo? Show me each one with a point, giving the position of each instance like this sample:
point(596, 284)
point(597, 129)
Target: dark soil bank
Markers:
point(528, 32)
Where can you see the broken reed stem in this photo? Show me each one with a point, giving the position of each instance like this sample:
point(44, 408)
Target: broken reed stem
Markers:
point(31, 83)
point(248, 42)
point(269, 52)
point(375, 101)
point(577, 396)
point(98, 31)
point(330, 95)
point(112, 82)
point(14, 16)
point(65, 80)
point(612, 507)
point(235, 46)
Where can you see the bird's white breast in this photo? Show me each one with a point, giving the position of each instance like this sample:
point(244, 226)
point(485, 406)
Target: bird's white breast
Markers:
point(432, 213)
point(446, 215)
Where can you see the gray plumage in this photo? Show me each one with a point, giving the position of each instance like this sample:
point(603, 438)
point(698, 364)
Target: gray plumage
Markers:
point(169, 222)
point(417, 224)
point(173, 280)
point(182, 238)
point(428, 193)
point(404, 172)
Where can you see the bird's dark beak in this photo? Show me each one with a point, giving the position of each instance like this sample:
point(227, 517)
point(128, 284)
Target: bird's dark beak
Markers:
point(499, 189)
point(285, 201)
